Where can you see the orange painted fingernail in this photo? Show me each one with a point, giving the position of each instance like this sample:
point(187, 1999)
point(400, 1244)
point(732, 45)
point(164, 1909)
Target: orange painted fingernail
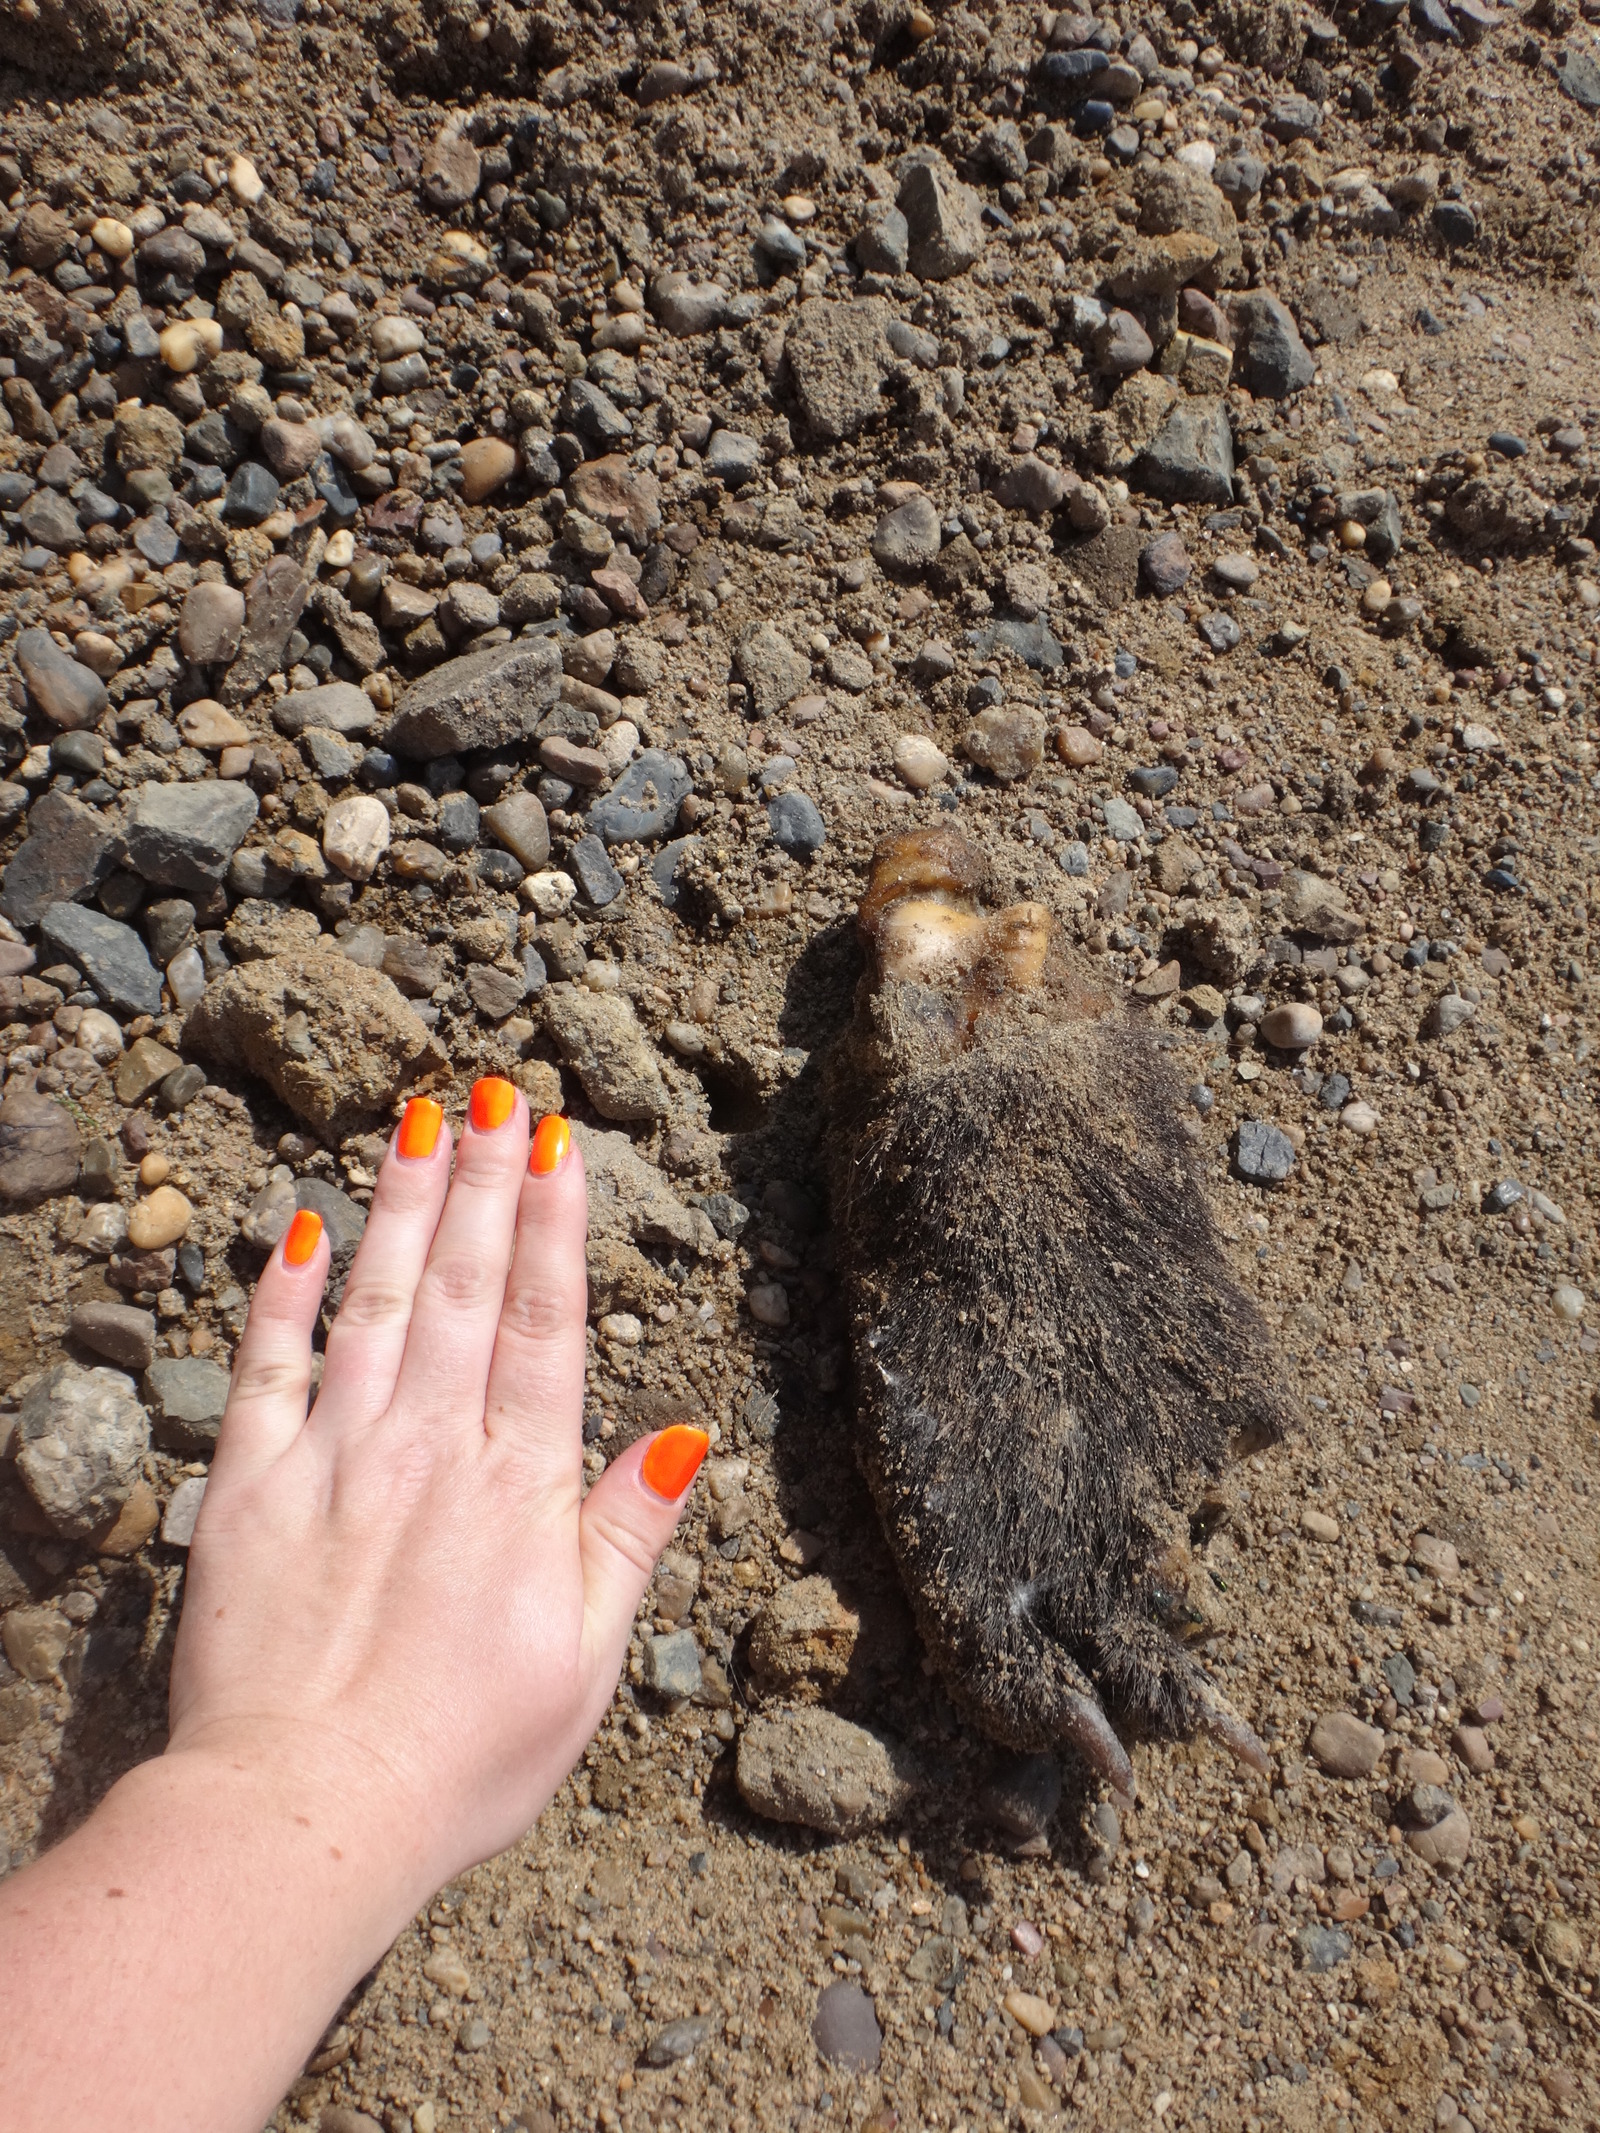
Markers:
point(419, 1129)
point(493, 1102)
point(552, 1137)
point(300, 1238)
point(673, 1460)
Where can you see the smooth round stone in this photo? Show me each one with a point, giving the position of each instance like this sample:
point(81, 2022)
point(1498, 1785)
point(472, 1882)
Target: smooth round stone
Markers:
point(487, 464)
point(188, 343)
point(1077, 746)
point(160, 1219)
point(112, 237)
point(1237, 572)
point(291, 448)
point(205, 724)
point(1568, 1302)
point(845, 2027)
point(1292, 1026)
point(920, 762)
point(211, 627)
point(796, 824)
point(1165, 565)
point(66, 692)
point(1377, 597)
point(186, 976)
point(394, 335)
point(1360, 1119)
point(1345, 1747)
point(355, 835)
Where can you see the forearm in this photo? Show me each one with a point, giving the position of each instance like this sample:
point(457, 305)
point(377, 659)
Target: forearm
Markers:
point(172, 1963)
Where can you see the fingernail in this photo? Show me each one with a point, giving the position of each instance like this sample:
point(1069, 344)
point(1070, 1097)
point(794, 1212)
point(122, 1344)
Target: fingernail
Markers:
point(300, 1238)
point(552, 1137)
point(673, 1460)
point(419, 1129)
point(493, 1102)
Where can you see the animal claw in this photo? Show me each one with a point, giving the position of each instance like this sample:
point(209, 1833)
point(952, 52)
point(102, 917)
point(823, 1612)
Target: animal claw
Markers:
point(1088, 1729)
point(1223, 1722)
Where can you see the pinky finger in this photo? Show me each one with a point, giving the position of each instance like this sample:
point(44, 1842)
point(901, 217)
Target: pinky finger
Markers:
point(272, 1372)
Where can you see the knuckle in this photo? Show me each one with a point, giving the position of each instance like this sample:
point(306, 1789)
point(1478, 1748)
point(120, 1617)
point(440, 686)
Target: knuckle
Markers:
point(454, 1281)
point(267, 1377)
point(536, 1317)
point(374, 1302)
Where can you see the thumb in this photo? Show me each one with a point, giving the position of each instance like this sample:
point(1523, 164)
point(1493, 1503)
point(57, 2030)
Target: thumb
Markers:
point(628, 1517)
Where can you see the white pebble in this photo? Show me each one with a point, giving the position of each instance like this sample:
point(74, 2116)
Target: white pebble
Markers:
point(769, 1304)
point(244, 181)
point(1360, 1119)
point(617, 743)
point(919, 762)
point(623, 1328)
point(550, 893)
point(1569, 1302)
point(340, 552)
point(355, 835)
point(1199, 155)
point(186, 976)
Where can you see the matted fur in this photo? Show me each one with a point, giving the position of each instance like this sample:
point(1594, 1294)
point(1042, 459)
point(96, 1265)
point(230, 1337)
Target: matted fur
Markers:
point(1050, 1351)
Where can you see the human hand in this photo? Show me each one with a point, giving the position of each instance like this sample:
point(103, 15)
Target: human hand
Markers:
point(405, 1597)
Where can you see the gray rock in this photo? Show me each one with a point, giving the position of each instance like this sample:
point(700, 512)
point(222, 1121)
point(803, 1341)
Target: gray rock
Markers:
point(187, 1395)
point(273, 603)
point(1190, 459)
point(845, 2028)
point(671, 1664)
point(1322, 1948)
point(81, 1435)
point(1265, 1153)
point(643, 804)
point(123, 1334)
point(630, 1199)
point(1316, 906)
point(1165, 565)
point(519, 822)
point(67, 693)
point(883, 243)
point(182, 836)
point(70, 849)
point(1122, 821)
point(685, 307)
point(1220, 631)
point(252, 494)
point(589, 411)
point(815, 1768)
point(495, 992)
point(49, 521)
point(733, 458)
point(1031, 484)
point(908, 538)
point(485, 700)
point(1269, 357)
point(944, 223)
point(40, 1148)
point(770, 667)
point(337, 707)
point(182, 1514)
point(110, 955)
point(834, 359)
point(796, 823)
point(1579, 77)
point(600, 1038)
point(598, 880)
point(1034, 643)
point(678, 2041)
point(211, 626)
point(1294, 118)
point(1378, 511)
point(778, 249)
point(1121, 345)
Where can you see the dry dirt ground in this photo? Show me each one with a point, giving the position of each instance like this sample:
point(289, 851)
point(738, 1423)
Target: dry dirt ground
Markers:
point(1238, 791)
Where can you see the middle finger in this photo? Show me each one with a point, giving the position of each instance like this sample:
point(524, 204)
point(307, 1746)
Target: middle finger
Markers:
point(445, 1369)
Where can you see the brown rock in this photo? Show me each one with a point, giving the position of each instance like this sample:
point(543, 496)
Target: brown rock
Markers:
point(1471, 1743)
point(133, 1524)
point(803, 1640)
point(623, 497)
point(1344, 1746)
point(40, 1148)
point(161, 1218)
point(1446, 1844)
point(335, 1041)
point(122, 1334)
point(487, 464)
point(450, 171)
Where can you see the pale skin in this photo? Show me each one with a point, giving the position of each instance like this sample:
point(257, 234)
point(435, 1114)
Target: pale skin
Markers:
point(403, 1619)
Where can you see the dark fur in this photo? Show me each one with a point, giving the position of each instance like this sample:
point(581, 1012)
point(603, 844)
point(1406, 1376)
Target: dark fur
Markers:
point(1050, 1350)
